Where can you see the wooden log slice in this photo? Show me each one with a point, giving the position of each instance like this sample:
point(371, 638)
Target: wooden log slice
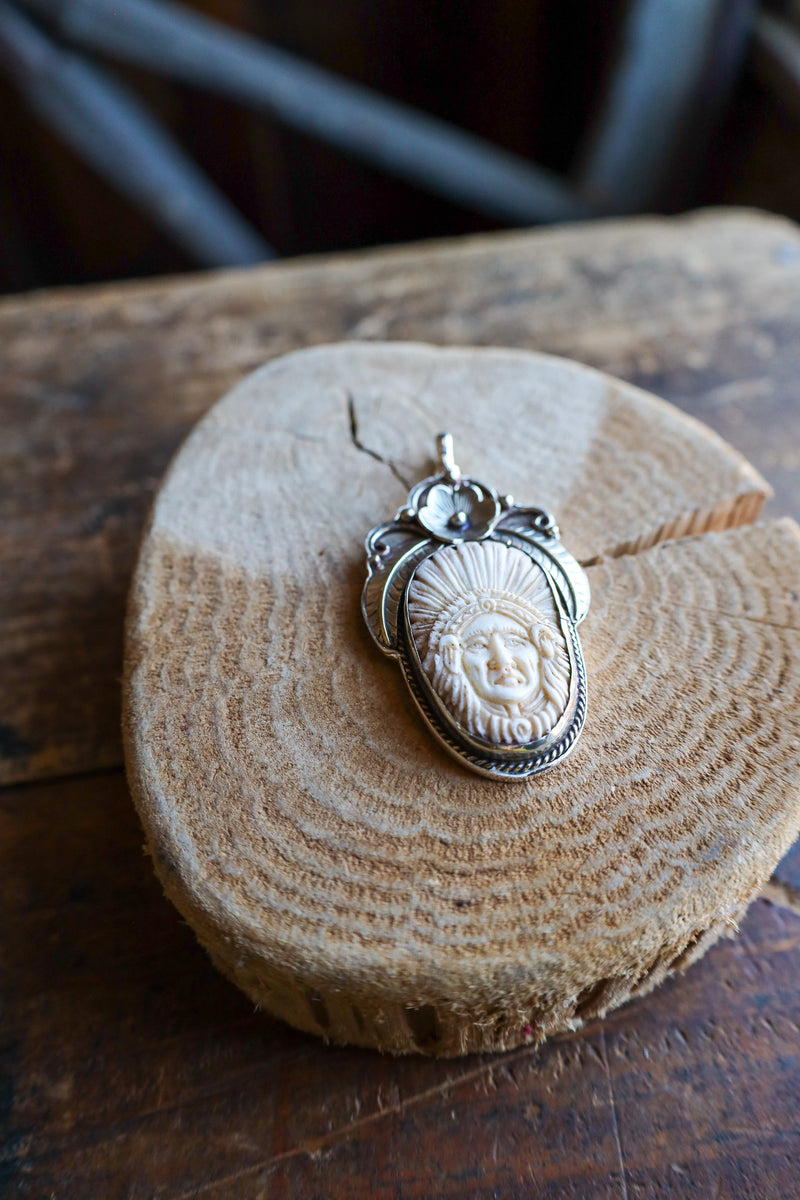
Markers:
point(336, 863)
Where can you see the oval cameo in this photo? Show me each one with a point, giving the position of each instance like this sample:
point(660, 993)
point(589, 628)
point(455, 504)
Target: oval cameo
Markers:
point(489, 638)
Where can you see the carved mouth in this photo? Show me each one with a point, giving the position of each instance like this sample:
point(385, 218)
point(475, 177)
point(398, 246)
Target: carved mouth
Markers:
point(509, 677)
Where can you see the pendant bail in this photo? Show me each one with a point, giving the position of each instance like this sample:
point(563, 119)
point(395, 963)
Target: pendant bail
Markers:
point(450, 469)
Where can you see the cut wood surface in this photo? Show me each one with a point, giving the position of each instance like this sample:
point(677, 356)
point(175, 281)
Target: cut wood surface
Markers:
point(98, 387)
point(335, 862)
point(131, 1069)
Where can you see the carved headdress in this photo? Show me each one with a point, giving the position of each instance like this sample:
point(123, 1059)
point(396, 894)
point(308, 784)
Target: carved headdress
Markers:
point(462, 582)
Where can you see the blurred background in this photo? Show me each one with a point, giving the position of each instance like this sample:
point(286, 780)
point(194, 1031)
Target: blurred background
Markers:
point(139, 137)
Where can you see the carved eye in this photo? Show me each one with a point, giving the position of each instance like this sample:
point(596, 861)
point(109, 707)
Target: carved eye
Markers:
point(475, 644)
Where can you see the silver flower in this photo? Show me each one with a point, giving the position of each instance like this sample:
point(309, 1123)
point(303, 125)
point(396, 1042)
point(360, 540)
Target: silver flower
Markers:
point(458, 512)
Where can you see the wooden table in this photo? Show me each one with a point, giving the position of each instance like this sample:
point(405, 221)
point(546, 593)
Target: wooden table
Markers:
point(129, 1067)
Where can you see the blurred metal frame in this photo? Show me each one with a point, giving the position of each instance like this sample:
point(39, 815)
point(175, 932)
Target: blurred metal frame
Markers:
point(170, 39)
point(776, 57)
point(114, 134)
point(642, 128)
point(676, 63)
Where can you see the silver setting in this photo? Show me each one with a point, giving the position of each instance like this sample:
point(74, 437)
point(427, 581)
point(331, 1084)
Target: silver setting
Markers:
point(451, 509)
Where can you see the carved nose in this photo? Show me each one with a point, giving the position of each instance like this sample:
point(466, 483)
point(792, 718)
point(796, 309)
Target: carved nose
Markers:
point(499, 656)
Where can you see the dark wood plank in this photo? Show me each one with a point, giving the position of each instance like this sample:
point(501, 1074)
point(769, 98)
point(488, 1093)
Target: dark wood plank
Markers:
point(133, 1070)
point(130, 1068)
point(99, 387)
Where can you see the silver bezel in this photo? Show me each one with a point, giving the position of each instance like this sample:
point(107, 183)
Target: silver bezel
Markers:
point(395, 551)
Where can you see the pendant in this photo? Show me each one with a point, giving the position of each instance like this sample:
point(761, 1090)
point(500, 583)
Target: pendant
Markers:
point(480, 603)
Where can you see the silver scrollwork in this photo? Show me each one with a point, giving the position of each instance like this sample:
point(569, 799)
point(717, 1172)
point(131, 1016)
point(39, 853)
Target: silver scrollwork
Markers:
point(479, 601)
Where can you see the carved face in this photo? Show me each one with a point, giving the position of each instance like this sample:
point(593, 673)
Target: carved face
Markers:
point(490, 642)
point(499, 659)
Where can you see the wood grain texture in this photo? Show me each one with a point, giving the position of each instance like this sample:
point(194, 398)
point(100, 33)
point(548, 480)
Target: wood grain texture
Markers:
point(132, 1070)
point(347, 874)
point(98, 387)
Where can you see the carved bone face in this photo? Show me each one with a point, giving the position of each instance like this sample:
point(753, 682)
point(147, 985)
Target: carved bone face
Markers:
point(498, 656)
point(488, 636)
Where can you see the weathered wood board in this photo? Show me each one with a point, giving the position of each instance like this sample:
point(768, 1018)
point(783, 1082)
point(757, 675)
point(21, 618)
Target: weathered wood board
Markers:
point(333, 859)
point(131, 1069)
point(98, 387)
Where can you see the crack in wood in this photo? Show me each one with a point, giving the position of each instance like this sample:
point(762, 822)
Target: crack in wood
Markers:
point(614, 1121)
point(316, 1145)
point(359, 445)
point(744, 509)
